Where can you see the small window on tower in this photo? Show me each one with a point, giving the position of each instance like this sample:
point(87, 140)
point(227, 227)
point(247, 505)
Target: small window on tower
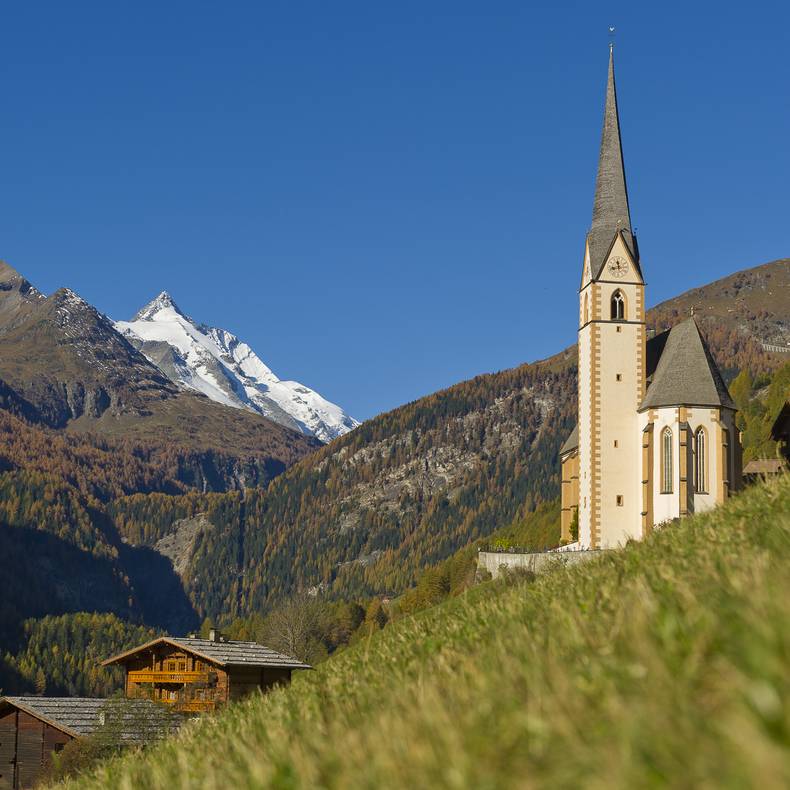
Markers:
point(615, 443)
point(619, 376)
point(619, 500)
point(619, 329)
point(618, 306)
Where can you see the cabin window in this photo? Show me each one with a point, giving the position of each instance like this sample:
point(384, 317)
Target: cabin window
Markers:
point(182, 665)
point(618, 306)
point(171, 666)
point(700, 462)
point(666, 461)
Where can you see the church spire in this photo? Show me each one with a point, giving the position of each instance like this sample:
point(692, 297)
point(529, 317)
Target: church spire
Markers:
point(610, 207)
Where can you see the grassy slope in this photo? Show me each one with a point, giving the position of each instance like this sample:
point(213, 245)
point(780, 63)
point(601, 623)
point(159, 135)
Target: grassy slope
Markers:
point(666, 663)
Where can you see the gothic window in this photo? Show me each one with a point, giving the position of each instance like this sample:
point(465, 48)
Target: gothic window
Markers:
point(618, 306)
point(700, 462)
point(666, 461)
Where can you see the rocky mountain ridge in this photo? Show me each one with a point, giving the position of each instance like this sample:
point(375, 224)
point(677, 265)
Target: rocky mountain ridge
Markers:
point(66, 367)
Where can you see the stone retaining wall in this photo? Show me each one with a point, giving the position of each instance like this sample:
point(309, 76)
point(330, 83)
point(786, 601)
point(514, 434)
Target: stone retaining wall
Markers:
point(492, 561)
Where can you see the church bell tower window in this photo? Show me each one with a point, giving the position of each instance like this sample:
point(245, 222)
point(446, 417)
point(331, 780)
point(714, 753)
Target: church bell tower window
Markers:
point(618, 306)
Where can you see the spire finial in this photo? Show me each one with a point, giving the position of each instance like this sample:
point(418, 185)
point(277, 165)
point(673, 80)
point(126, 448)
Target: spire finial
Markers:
point(611, 38)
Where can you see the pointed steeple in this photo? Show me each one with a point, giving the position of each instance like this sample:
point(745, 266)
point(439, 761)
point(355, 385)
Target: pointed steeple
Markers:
point(610, 207)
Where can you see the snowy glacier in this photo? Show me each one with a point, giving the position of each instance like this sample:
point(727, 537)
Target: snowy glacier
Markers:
point(224, 368)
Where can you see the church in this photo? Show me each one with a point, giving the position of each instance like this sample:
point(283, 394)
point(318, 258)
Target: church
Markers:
point(656, 437)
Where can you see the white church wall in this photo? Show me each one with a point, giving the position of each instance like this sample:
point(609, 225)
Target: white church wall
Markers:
point(666, 506)
point(706, 418)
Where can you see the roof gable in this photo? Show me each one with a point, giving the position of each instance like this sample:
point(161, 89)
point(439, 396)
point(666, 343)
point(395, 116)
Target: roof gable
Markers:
point(686, 373)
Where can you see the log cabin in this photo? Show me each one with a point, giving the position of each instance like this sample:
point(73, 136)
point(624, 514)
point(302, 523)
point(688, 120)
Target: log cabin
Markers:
point(33, 728)
point(199, 675)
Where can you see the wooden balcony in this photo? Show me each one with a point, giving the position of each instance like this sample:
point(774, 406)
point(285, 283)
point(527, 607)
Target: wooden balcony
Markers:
point(147, 676)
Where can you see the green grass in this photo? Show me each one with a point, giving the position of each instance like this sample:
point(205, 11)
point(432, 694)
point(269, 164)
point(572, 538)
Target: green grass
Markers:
point(666, 664)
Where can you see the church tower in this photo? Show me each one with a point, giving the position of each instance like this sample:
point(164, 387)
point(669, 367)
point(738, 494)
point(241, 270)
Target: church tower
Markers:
point(611, 354)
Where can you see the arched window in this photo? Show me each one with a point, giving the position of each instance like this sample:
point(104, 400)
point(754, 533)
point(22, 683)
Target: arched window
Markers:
point(618, 306)
point(586, 309)
point(700, 462)
point(666, 461)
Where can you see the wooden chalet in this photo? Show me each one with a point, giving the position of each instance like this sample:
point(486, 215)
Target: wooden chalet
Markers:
point(33, 728)
point(198, 675)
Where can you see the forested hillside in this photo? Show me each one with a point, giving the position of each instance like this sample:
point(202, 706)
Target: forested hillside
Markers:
point(148, 531)
point(62, 655)
point(407, 489)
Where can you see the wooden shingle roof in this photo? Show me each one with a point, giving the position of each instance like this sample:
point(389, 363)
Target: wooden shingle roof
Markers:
point(764, 466)
point(133, 720)
point(224, 653)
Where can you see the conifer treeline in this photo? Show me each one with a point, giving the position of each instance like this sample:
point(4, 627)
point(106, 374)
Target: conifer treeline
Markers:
point(62, 655)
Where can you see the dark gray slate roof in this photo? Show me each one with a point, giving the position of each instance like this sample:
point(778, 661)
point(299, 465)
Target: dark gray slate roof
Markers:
point(572, 442)
point(686, 374)
point(227, 653)
point(610, 206)
point(654, 348)
point(134, 720)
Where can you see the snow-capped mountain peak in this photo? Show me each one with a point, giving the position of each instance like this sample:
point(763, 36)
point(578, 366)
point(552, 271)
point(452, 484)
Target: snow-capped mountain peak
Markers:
point(220, 365)
point(163, 302)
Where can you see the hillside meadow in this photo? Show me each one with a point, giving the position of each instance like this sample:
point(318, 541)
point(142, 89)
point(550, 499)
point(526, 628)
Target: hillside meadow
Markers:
point(666, 663)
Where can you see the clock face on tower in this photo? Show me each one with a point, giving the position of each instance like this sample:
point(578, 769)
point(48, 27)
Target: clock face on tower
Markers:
point(618, 268)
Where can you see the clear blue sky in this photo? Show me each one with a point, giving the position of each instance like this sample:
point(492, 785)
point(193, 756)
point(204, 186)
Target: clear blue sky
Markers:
point(383, 198)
